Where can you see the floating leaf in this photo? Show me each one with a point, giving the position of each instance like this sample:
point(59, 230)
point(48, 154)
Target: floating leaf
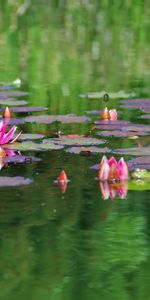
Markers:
point(48, 119)
point(92, 149)
point(139, 185)
point(25, 109)
point(112, 123)
point(13, 121)
point(14, 181)
point(139, 163)
point(13, 94)
point(10, 102)
point(95, 167)
point(30, 136)
point(133, 151)
point(97, 95)
point(136, 128)
point(31, 146)
point(136, 103)
point(145, 116)
point(119, 133)
point(76, 141)
point(20, 159)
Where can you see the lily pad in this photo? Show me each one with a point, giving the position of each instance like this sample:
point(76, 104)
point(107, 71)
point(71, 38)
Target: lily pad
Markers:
point(139, 163)
point(136, 103)
point(48, 119)
point(12, 121)
point(138, 185)
point(30, 136)
point(119, 133)
point(97, 95)
point(14, 181)
point(92, 149)
point(111, 125)
point(145, 116)
point(11, 102)
point(136, 128)
point(31, 146)
point(25, 109)
point(20, 159)
point(144, 151)
point(76, 141)
point(13, 94)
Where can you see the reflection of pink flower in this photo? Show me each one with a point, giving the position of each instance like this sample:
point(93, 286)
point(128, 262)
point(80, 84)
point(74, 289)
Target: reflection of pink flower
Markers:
point(112, 170)
point(109, 114)
point(6, 137)
point(113, 189)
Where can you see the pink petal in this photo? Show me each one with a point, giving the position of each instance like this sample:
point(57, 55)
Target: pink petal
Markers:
point(122, 169)
point(104, 170)
point(113, 114)
point(112, 161)
point(16, 138)
point(8, 136)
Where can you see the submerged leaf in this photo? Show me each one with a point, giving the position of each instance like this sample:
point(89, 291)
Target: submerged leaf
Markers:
point(48, 119)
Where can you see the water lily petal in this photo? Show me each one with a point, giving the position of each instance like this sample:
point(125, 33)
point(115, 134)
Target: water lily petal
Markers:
point(122, 169)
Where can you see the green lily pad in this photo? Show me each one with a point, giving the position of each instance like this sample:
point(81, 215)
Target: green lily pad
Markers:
point(76, 141)
point(133, 151)
point(12, 102)
point(30, 136)
point(31, 146)
point(139, 185)
point(48, 119)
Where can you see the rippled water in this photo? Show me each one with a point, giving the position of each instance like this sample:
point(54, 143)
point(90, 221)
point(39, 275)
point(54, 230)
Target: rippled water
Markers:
point(74, 245)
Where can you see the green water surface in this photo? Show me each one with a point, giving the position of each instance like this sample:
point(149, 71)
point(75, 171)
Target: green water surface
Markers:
point(56, 246)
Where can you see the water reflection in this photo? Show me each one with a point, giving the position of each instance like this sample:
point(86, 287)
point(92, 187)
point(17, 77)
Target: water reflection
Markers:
point(111, 190)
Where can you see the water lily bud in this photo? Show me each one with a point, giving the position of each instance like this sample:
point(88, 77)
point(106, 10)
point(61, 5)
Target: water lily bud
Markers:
point(62, 177)
point(7, 113)
point(105, 114)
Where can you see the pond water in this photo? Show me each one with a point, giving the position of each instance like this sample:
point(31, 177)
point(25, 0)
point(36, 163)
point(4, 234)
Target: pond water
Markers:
point(75, 245)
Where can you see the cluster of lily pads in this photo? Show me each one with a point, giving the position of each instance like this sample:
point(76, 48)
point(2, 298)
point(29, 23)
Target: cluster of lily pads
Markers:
point(112, 175)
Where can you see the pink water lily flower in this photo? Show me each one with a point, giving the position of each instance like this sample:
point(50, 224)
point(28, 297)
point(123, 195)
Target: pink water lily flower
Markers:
point(112, 170)
point(7, 137)
point(110, 115)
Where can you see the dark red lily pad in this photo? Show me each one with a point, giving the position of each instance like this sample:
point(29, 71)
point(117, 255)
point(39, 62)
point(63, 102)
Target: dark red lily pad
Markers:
point(30, 136)
point(139, 163)
point(14, 181)
point(10, 102)
point(48, 119)
point(76, 141)
point(144, 151)
point(25, 109)
point(12, 121)
point(90, 149)
point(119, 133)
